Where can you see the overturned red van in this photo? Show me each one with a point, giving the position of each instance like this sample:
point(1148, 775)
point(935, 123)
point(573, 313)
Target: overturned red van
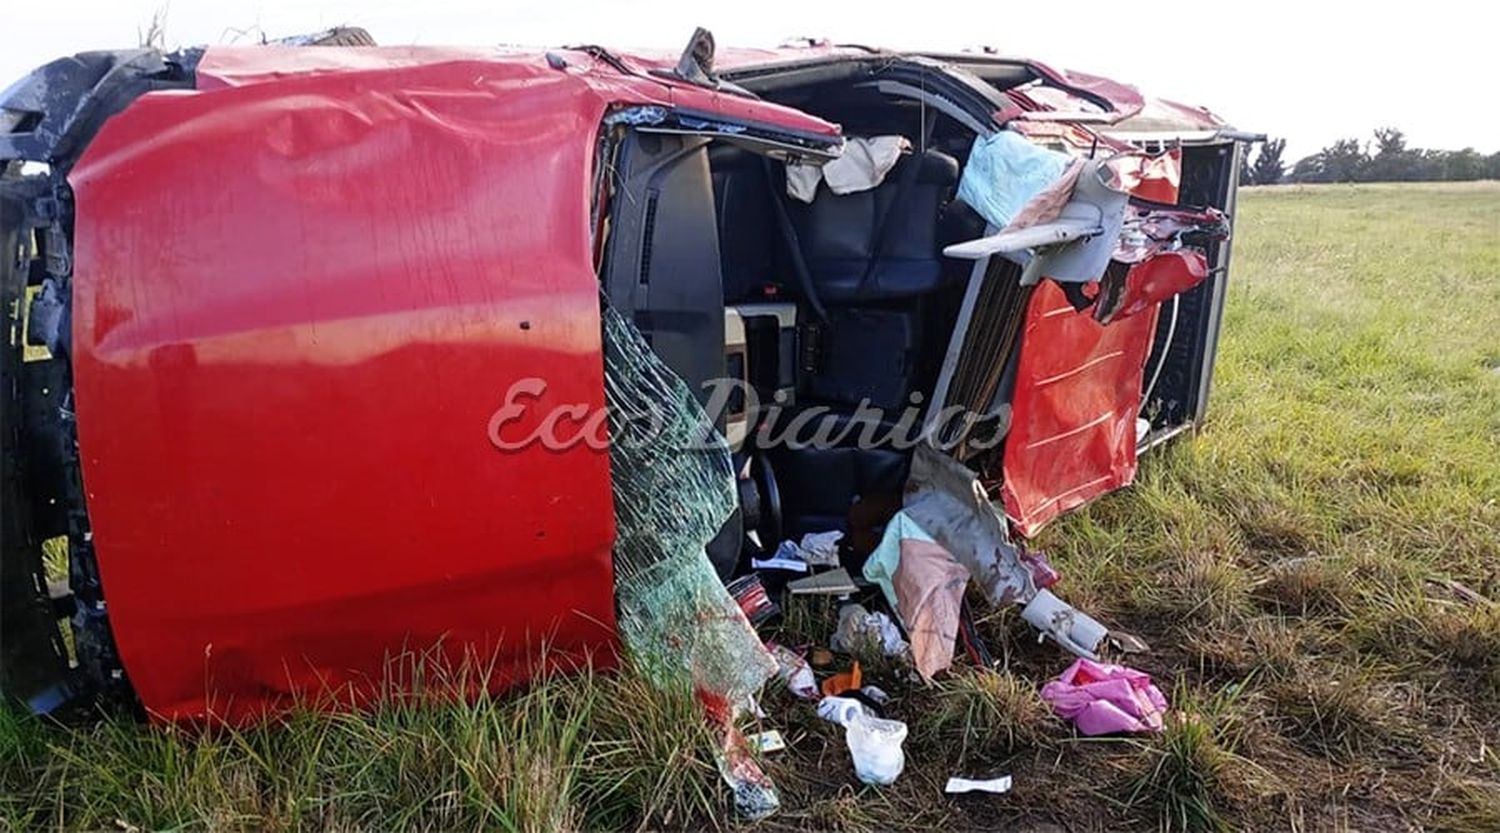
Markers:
point(271, 308)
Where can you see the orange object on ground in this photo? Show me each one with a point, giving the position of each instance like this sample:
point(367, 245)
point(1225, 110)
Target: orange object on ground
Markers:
point(839, 683)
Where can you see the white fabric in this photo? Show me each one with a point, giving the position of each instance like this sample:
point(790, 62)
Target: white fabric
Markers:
point(863, 165)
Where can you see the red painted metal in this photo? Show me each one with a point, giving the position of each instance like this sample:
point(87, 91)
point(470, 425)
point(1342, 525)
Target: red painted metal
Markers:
point(1078, 390)
point(1159, 278)
point(301, 292)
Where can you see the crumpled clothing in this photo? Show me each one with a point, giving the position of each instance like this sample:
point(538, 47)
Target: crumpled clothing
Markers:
point(1048, 204)
point(821, 549)
point(1006, 171)
point(859, 628)
point(1103, 699)
point(925, 585)
point(862, 166)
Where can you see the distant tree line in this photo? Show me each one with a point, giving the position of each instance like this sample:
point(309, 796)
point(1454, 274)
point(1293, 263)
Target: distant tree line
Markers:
point(1384, 159)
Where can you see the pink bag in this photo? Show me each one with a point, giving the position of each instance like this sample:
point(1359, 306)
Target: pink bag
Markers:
point(1104, 699)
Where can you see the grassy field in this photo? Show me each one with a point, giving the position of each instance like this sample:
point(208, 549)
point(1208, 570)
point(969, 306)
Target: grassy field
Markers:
point(1312, 570)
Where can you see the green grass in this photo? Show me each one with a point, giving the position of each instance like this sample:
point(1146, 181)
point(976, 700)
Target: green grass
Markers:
point(1305, 569)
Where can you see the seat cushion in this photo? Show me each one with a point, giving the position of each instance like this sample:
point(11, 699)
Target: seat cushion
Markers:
point(750, 244)
point(866, 354)
point(819, 483)
point(840, 234)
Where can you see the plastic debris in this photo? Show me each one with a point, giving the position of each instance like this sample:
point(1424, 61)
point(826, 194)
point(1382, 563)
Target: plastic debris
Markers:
point(997, 786)
point(767, 741)
point(840, 683)
point(925, 585)
point(751, 596)
point(841, 710)
point(1104, 699)
point(793, 670)
point(1064, 624)
point(874, 742)
point(827, 583)
point(859, 630)
point(875, 745)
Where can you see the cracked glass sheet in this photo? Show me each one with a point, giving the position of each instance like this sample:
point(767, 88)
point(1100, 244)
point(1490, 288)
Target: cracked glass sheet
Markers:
point(673, 490)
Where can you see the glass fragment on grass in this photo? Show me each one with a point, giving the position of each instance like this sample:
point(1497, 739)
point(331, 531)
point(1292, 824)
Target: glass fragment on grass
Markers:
point(672, 493)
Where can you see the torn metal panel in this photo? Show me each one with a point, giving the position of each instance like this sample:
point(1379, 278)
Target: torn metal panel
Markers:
point(1141, 287)
point(1077, 394)
point(1097, 203)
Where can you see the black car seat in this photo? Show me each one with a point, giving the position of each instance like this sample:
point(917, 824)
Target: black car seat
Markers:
point(749, 242)
point(880, 244)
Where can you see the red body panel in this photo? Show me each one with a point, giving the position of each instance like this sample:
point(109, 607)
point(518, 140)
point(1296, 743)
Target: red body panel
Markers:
point(1078, 390)
point(299, 298)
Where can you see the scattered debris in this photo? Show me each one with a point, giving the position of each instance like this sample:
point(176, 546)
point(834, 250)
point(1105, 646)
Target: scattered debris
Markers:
point(859, 629)
point(820, 658)
point(755, 795)
point(816, 549)
point(1105, 699)
point(1066, 625)
point(875, 694)
point(874, 742)
point(946, 500)
point(778, 562)
point(767, 741)
point(752, 598)
point(793, 670)
point(828, 583)
point(1127, 643)
point(1461, 590)
point(841, 710)
point(821, 549)
point(997, 786)
point(846, 681)
point(925, 585)
point(875, 745)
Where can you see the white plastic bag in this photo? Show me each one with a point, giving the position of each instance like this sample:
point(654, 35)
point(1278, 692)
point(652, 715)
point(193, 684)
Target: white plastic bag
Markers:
point(875, 745)
point(874, 742)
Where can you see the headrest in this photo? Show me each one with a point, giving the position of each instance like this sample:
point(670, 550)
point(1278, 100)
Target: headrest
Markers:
point(938, 168)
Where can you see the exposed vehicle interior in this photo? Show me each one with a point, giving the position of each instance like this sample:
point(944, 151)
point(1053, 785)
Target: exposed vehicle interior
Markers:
point(820, 306)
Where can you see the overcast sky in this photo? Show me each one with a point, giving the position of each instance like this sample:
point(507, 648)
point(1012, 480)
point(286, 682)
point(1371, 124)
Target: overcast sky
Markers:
point(1308, 70)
